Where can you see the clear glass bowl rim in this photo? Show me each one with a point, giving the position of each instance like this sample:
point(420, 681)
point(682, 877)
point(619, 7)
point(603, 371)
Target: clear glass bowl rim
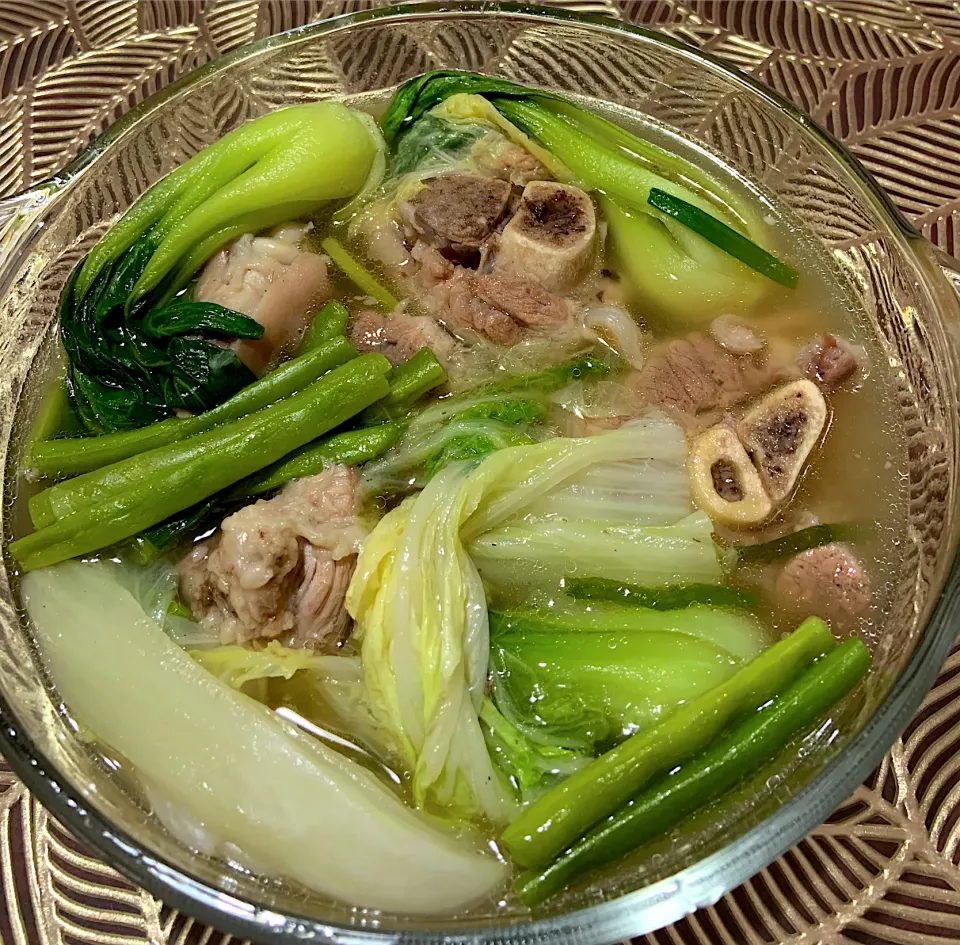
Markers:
point(636, 913)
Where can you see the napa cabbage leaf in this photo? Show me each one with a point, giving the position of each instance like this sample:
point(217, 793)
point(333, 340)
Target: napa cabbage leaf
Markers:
point(421, 614)
point(258, 786)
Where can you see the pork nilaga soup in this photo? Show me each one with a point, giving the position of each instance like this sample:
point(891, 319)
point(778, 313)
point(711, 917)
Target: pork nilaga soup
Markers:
point(434, 510)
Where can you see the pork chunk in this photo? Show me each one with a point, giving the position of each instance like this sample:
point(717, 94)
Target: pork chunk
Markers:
point(399, 337)
point(827, 362)
point(279, 568)
point(271, 279)
point(826, 582)
point(458, 210)
point(695, 375)
point(499, 307)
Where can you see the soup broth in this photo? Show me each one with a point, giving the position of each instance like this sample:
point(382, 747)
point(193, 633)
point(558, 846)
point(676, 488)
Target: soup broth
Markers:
point(510, 469)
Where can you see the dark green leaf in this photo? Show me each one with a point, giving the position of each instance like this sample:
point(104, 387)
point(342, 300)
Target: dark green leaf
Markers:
point(419, 95)
point(176, 529)
point(182, 317)
point(104, 408)
point(206, 374)
point(670, 597)
point(788, 545)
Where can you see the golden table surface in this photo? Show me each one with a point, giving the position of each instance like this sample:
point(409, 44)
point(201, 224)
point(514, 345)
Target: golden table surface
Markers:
point(884, 77)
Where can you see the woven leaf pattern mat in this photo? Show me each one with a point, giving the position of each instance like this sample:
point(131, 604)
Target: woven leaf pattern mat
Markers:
point(885, 78)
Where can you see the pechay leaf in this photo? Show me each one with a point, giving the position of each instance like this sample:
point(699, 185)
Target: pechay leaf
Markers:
point(433, 141)
point(183, 317)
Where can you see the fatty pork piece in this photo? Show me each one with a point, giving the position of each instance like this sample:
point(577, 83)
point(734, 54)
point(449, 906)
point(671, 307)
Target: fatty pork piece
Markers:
point(271, 279)
point(280, 567)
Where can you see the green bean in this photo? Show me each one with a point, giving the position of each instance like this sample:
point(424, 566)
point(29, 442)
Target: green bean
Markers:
point(670, 597)
point(68, 457)
point(408, 383)
point(329, 322)
point(725, 764)
point(556, 819)
point(54, 416)
point(148, 488)
point(349, 449)
point(356, 273)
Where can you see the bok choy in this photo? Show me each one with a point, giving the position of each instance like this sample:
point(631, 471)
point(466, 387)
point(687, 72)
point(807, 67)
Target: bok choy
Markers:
point(136, 354)
point(583, 676)
point(667, 217)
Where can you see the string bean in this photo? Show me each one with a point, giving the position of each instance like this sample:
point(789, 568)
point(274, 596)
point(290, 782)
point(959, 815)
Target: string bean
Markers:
point(148, 488)
point(556, 819)
point(729, 761)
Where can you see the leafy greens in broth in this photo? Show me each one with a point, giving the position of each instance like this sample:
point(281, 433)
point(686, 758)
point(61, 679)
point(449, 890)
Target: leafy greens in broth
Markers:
point(490, 488)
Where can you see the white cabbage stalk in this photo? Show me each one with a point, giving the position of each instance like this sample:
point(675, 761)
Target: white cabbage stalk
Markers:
point(279, 797)
point(651, 490)
point(421, 619)
point(420, 609)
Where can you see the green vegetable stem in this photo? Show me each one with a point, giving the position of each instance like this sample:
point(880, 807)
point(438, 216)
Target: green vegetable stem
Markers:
point(408, 383)
point(143, 490)
point(730, 760)
point(558, 818)
point(358, 274)
point(329, 322)
point(68, 457)
point(346, 449)
point(350, 448)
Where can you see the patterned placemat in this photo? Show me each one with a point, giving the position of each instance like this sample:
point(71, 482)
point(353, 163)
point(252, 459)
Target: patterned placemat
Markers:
point(885, 78)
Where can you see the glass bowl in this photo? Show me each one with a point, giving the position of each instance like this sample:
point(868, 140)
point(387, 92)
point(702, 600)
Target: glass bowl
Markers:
point(906, 290)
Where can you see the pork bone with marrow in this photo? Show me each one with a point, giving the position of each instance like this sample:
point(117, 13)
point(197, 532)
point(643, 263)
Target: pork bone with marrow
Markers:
point(741, 474)
point(552, 236)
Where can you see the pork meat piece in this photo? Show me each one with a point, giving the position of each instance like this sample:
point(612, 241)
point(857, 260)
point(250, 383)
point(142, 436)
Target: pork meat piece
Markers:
point(695, 374)
point(826, 582)
point(399, 337)
point(827, 362)
point(499, 307)
point(279, 568)
point(271, 279)
point(457, 210)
